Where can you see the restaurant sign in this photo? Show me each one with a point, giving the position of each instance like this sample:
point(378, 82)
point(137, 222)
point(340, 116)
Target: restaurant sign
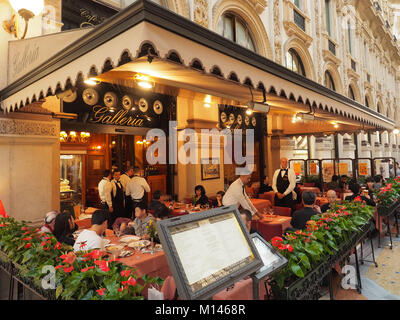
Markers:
point(84, 13)
point(108, 104)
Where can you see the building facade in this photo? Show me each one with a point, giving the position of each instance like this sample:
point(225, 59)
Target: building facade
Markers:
point(349, 47)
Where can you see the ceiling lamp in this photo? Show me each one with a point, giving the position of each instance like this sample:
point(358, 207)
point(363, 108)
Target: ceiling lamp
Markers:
point(144, 81)
point(91, 82)
point(27, 9)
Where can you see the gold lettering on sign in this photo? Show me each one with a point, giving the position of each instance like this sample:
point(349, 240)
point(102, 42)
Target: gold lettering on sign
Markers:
point(121, 118)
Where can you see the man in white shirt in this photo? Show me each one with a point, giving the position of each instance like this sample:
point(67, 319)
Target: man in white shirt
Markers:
point(105, 189)
point(125, 179)
point(283, 184)
point(236, 195)
point(91, 238)
point(136, 188)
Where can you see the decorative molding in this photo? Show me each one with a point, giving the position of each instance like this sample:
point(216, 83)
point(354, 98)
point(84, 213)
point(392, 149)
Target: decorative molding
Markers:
point(201, 12)
point(29, 128)
point(277, 33)
point(259, 5)
point(35, 107)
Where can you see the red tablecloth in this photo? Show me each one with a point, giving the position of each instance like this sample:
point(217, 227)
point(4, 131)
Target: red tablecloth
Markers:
point(242, 290)
point(154, 265)
point(274, 228)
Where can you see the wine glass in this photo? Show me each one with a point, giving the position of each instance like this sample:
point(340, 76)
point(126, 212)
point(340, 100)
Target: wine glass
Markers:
point(137, 249)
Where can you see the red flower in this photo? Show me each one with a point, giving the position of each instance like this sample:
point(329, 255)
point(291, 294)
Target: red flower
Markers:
point(84, 270)
point(104, 268)
point(27, 239)
point(358, 199)
point(3, 225)
point(26, 233)
point(289, 248)
point(120, 289)
point(69, 269)
point(125, 273)
point(69, 258)
point(57, 246)
point(132, 281)
point(43, 244)
point(28, 245)
point(24, 228)
point(276, 241)
point(101, 291)
point(95, 254)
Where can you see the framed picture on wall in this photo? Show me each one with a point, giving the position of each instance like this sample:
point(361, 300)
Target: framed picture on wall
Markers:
point(210, 169)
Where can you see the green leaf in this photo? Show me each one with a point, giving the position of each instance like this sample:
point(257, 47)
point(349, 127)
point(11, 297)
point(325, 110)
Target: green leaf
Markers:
point(296, 269)
point(59, 290)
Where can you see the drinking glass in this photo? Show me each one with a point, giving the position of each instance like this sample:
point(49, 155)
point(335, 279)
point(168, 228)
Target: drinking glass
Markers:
point(137, 249)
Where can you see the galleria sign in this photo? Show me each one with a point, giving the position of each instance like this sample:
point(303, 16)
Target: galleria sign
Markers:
point(102, 115)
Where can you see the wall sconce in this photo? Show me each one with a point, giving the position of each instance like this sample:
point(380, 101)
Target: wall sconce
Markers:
point(91, 82)
point(72, 136)
point(27, 9)
point(396, 131)
point(144, 81)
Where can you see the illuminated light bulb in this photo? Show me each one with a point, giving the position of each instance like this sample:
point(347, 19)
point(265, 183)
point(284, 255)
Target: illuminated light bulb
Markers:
point(91, 82)
point(87, 135)
point(396, 131)
point(113, 142)
point(98, 147)
point(249, 112)
point(145, 85)
point(207, 105)
point(72, 134)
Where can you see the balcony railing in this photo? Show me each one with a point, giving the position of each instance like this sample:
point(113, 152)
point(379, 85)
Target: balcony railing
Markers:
point(299, 20)
point(332, 47)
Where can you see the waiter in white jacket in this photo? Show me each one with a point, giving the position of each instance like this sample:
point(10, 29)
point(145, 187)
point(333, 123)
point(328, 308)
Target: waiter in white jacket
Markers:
point(283, 184)
point(125, 179)
point(105, 189)
point(136, 189)
point(236, 195)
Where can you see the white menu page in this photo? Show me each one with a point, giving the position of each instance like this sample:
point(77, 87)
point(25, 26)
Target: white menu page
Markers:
point(210, 248)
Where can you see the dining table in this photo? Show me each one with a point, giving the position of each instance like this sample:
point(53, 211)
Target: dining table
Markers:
point(271, 227)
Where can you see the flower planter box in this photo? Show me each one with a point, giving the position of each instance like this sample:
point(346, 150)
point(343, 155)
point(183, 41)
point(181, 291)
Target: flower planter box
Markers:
point(387, 211)
point(308, 288)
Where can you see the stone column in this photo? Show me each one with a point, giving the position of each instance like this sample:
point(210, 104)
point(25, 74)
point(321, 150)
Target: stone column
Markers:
point(377, 147)
point(348, 147)
point(387, 151)
point(29, 165)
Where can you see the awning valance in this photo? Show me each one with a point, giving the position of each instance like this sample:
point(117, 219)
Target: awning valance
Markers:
point(185, 54)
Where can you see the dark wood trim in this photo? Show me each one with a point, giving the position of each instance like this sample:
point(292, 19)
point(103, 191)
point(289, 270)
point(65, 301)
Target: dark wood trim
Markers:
point(145, 10)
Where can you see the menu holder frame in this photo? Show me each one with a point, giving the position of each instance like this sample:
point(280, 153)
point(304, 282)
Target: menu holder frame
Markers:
point(177, 269)
point(274, 268)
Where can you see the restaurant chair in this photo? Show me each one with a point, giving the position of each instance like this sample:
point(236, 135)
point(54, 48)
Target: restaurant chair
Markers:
point(309, 184)
point(282, 211)
point(268, 196)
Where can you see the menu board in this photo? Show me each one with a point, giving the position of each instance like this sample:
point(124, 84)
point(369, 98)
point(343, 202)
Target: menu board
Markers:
point(210, 249)
point(313, 169)
point(297, 168)
point(343, 169)
point(363, 169)
point(328, 171)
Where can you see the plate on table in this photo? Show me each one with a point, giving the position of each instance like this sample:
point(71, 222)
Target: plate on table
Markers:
point(106, 241)
point(141, 243)
point(114, 247)
point(128, 239)
point(125, 254)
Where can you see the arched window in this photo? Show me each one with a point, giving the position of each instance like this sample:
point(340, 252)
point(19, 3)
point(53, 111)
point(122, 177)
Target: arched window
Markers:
point(235, 29)
point(351, 94)
point(294, 63)
point(366, 102)
point(329, 83)
point(379, 109)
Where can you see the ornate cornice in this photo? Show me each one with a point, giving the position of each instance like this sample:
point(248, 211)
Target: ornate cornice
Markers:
point(201, 12)
point(29, 128)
